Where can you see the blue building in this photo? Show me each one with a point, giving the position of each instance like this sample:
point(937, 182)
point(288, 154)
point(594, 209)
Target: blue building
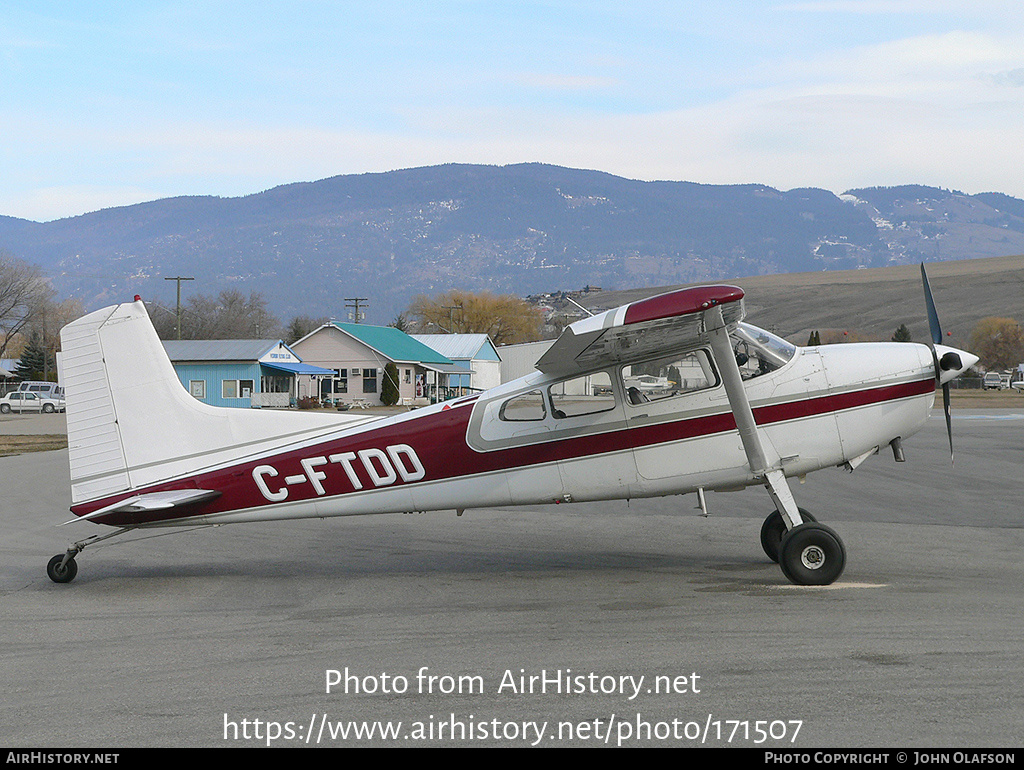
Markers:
point(474, 352)
point(240, 373)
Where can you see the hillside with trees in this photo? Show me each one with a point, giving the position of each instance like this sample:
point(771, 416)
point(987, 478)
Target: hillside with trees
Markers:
point(519, 230)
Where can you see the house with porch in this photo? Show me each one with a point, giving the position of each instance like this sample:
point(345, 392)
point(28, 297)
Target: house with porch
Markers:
point(242, 373)
point(358, 354)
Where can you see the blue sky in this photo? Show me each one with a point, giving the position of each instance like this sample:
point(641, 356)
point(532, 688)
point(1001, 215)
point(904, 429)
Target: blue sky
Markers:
point(112, 103)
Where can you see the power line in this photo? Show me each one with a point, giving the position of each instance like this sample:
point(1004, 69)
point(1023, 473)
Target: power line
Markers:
point(355, 315)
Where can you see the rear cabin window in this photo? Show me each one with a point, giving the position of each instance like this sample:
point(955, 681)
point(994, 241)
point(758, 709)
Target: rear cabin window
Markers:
point(525, 408)
point(590, 394)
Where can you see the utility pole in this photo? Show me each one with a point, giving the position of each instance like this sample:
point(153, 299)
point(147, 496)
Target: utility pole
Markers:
point(179, 279)
point(451, 316)
point(356, 315)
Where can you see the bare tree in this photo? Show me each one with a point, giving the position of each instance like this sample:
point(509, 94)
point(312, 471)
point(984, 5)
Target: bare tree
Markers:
point(52, 317)
point(23, 296)
point(505, 318)
point(998, 342)
point(229, 315)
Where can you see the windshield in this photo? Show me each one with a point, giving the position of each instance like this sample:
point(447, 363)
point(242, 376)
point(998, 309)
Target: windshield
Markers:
point(759, 352)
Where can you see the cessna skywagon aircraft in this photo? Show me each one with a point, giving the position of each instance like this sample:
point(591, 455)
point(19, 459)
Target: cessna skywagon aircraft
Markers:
point(734, 406)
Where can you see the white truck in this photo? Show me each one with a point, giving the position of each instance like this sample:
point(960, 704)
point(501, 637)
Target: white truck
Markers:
point(995, 381)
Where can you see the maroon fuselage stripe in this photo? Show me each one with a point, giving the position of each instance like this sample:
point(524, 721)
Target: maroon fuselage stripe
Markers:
point(439, 440)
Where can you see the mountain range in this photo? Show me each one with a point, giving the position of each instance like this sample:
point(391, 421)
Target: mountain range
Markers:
point(519, 229)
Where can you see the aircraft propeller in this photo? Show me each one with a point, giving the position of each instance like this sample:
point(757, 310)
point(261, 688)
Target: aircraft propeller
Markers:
point(950, 360)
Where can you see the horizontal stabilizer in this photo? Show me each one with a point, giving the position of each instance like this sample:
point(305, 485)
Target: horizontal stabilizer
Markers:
point(154, 501)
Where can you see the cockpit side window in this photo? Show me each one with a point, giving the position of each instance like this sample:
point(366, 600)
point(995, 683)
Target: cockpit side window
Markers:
point(759, 352)
point(670, 376)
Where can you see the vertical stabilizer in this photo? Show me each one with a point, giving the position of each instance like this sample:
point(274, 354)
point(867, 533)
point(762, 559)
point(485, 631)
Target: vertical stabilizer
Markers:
point(131, 423)
point(98, 463)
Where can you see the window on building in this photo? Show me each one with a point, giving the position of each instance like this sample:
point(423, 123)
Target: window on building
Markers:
point(275, 384)
point(197, 388)
point(237, 389)
point(369, 380)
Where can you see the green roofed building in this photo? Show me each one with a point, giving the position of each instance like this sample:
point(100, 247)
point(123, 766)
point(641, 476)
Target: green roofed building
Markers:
point(358, 353)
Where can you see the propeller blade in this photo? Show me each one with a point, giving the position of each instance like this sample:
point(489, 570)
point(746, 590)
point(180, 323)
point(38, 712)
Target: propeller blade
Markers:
point(949, 419)
point(933, 317)
point(936, 331)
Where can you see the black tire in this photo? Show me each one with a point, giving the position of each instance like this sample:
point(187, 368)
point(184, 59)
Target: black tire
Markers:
point(48, 408)
point(5, 408)
point(59, 574)
point(812, 555)
point(774, 529)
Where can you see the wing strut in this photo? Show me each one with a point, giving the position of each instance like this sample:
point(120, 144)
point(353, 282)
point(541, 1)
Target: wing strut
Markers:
point(767, 468)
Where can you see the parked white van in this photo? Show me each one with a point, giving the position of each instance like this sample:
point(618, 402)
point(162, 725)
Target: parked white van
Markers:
point(43, 388)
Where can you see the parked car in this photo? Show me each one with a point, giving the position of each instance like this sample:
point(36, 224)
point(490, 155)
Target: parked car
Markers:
point(992, 381)
point(26, 401)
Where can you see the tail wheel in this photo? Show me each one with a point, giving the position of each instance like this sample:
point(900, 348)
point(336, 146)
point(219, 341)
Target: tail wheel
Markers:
point(812, 555)
point(774, 529)
point(61, 573)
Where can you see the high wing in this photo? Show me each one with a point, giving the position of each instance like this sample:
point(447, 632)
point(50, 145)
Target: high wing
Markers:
point(666, 324)
point(663, 325)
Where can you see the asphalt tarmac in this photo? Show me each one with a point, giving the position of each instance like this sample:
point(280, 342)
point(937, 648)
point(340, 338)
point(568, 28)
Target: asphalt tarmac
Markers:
point(577, 625)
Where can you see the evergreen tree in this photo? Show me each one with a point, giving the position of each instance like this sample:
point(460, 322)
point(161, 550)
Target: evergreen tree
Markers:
point(902, 334)
point(389, 385)
point(302, 325)
point(33, 362)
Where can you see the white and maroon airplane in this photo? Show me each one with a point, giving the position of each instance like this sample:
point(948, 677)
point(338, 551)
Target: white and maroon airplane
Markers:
point(732, 406)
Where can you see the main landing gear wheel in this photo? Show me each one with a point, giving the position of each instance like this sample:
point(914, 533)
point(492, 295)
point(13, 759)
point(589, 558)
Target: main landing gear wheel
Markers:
point(60, 572)
point(774, 529)
point(812, 555)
